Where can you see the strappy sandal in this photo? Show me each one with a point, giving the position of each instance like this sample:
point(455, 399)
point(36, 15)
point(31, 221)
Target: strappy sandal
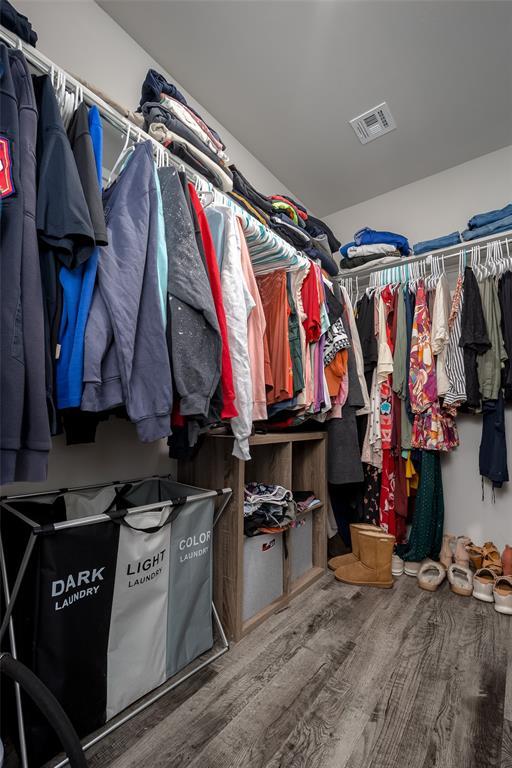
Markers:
point(492, 558)
point(431, 575)
point(483, 583)
point(461, 580)
point(476, 556)
point(503, 594)
point(461, 551)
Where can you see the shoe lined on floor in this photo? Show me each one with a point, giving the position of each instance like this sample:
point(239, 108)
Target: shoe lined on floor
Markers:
point(476, 556)
point(412, 567)
point(431, 575)
point(503, 594)
point(447, 549)
point(352, 557)
point(373, 569)
point(336, 547)
point(461, 580)
point(397, 565)
point(483, 584)
point(492, 558)
point(461, 551)
point(506, 560)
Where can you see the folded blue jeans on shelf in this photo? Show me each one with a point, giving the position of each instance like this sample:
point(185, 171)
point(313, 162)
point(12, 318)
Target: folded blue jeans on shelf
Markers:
point(482, 219)
point(425, 246)
point(488, 229)
point(367, 236)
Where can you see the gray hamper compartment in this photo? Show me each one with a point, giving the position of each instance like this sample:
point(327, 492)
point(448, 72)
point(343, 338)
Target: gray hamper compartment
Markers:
point(301, 547)
point(263, 572)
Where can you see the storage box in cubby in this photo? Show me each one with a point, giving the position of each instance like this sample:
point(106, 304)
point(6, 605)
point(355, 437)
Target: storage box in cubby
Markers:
point(263, 572)
point(295, 460)
point(301, 547)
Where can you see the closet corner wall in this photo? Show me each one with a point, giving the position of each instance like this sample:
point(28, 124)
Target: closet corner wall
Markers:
point(278, 566)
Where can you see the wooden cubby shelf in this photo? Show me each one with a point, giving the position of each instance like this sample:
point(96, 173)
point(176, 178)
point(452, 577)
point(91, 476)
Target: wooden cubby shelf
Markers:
point(295, 460)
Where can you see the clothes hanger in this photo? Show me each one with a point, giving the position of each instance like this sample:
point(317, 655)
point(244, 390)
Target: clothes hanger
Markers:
point(507, 257)
point(357, 290)
point(126, 150)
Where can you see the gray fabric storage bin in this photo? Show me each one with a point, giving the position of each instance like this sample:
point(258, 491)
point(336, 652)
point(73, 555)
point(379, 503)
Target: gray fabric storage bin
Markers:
point(263, 572)
point(301, 547)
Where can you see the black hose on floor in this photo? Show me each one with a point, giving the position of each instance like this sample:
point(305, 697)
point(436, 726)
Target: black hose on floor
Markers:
point(48, 705)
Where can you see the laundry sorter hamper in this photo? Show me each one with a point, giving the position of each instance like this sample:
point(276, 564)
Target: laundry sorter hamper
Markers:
point(108, 595)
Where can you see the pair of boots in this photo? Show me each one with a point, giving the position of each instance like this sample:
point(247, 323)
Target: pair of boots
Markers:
point(369, 563)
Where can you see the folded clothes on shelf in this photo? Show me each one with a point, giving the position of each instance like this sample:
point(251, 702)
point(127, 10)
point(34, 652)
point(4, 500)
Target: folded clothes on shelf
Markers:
point(17, 23)
point(482, 219)
point(378, 258)
point(267, 507)
point(367, 236)
point(445, 241)
point(380, 249)
point(155, 85)
point(304, 500)
point(499, 225)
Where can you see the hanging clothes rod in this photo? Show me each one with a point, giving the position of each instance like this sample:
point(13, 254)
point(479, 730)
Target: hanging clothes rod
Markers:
point(454, 252)
point(44, 65)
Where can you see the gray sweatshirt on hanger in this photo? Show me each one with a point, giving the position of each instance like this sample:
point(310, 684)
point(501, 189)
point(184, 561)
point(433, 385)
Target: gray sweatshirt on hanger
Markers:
point(125, 357)
point(193, 331)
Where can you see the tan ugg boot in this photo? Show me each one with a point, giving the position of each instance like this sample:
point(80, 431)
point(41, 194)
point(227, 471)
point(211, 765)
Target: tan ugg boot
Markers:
point(373, 569)
point(352, 557)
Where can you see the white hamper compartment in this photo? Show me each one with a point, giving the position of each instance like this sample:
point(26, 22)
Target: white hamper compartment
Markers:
point(301, 546)
point(263, 572)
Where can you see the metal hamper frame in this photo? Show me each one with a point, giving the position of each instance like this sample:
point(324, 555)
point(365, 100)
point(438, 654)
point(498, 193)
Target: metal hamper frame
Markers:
point(11, 595)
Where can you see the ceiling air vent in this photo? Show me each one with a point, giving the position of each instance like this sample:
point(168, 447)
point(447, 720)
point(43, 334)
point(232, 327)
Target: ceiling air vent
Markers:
point(374, 123)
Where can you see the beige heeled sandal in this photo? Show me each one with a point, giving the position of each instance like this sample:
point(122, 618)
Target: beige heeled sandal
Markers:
point(447, 550)
point(461, 551)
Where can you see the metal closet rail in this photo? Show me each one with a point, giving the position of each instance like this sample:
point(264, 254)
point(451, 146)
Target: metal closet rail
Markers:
point(44, 65)
point(402, 270)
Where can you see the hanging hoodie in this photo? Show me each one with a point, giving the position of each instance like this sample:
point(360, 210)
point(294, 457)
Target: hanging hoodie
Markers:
point(126, 359)
point(193, 333)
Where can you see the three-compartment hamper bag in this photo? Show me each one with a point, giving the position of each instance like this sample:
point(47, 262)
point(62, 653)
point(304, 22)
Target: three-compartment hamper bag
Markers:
point(110, 610)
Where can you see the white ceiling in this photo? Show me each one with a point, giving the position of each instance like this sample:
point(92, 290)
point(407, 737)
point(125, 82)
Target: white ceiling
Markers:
point(285, 76)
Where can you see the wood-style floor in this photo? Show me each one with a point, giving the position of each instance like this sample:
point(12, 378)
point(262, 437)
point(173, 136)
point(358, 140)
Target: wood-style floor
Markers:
point(345, 677)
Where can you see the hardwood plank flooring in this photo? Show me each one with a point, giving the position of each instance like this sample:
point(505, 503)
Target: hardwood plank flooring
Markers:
point(345, 677)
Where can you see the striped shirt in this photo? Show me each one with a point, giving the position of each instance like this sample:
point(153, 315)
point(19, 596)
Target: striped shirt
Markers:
point(454, 354)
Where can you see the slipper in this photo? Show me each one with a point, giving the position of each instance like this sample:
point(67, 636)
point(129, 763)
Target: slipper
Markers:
point(492, 558)
point(503, 595)
point(483, 583)
point(431, 575)
point(461, 580)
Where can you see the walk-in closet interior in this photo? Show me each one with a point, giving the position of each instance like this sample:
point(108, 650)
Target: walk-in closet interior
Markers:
point(255, 384)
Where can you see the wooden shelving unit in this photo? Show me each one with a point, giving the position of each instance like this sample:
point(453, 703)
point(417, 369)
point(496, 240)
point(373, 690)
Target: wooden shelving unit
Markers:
point(296, 461)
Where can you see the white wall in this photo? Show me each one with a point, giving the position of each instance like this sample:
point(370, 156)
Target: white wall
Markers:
point(428, 208)
point(81, 38)
point(84, 40)
point(465, 512)
point(436, 205)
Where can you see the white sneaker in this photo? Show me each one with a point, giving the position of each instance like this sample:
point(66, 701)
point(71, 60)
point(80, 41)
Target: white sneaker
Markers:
point(503, 594)
point(413, 568)
point(397, 565)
